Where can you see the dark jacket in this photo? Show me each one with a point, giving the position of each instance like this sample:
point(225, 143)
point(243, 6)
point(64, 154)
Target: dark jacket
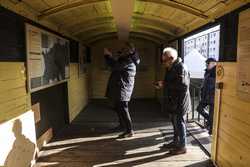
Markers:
point(122, 78)
point(176, 89)
point(208, 87)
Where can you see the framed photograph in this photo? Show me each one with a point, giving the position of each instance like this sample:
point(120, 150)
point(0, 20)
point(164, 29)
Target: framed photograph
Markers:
point(48, 58)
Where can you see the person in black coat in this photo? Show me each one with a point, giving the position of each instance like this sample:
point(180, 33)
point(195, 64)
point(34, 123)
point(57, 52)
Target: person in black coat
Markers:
point(208, 93)
point(121, 84)
point(177, 101)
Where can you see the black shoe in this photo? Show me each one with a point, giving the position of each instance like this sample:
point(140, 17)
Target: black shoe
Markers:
point(126, 135)
point(177, 151)
point(168, 145)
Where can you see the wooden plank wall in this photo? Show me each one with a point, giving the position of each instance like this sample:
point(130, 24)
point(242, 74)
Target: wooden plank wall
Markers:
point(77, 91)
point(160, 73)
point(15, 106)
point(231, 143)
point(243, 57)
point(14, 100)
point(146, 72)
point(231, 139)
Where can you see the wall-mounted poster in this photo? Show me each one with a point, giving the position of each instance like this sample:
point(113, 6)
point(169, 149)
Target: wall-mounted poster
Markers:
point(47, 58)
point(82, 59)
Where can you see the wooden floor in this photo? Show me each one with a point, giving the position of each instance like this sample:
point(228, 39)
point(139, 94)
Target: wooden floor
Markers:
point(88, 142)
point(201, 134)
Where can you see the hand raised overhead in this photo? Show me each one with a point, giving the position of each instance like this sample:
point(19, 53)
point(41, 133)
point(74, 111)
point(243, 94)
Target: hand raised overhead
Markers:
point(107, 51)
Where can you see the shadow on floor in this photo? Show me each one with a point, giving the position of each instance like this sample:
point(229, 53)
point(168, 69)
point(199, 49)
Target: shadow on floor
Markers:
point(88, 142)
point(108, 150)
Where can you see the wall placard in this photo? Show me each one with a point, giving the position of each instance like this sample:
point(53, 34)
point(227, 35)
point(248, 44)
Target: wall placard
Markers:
point(47, 58)
point(243, 53)
point(82, 59)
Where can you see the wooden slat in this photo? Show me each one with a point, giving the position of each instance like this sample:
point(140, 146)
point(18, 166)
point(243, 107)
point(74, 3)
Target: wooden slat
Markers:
point(220, 10)
point(235, 120)
point(45, 138)
point(235, 156)
point(67, 6)
point(11, 84)
point(163, 20)
point(222, 161)
point(77, 91)
point(232, 137)
point(24, 9)
point(11, 101)
point(15, 71)
point(14, 99)
point(11, 94)
point(10, 114)
point(183, 7)
point(243, 59)
point(37, 114)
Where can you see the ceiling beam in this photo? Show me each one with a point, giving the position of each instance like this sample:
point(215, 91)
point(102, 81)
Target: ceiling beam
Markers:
point(141, 34)
point(180, 6)
point(67, 6)
point(154, 32)
point(91, 34)
point(15, 1)
point(92, 20)
point(160, 20)
point(96, 30)
point(149, 33)
point(114, 37)
point(156, 28)
point(103, 36)
point(89, 27)
point(134, 36)
point(131, 35)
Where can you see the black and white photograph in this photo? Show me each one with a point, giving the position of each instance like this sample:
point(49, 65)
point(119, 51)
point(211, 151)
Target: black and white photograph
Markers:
point(48, 58)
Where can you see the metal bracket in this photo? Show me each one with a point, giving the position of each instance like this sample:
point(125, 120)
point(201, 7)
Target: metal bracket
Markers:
point(219, 85)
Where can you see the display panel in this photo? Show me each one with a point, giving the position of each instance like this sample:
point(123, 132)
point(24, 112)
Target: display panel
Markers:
point(47, 58)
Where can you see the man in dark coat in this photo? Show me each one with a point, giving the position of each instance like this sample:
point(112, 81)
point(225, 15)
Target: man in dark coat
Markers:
point(121, 84)
point(208, 93)
point(176, 97)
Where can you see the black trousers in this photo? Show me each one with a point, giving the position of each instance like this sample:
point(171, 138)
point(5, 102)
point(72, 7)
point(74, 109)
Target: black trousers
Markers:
point(208, 116)
point(122, 110)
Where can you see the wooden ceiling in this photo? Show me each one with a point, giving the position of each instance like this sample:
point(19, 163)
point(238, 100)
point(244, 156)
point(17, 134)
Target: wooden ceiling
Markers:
point(154, 20)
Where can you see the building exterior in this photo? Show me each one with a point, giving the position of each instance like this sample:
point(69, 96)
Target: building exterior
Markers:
point(206, 42)
point(199, 47)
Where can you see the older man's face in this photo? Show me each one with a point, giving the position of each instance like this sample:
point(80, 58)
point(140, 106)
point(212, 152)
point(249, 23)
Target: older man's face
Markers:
point(167, 59)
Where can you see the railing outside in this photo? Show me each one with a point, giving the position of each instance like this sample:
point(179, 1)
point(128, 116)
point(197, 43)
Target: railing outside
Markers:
point(194, 116)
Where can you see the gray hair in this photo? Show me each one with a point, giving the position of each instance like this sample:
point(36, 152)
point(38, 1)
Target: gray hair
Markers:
point(171, 51)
